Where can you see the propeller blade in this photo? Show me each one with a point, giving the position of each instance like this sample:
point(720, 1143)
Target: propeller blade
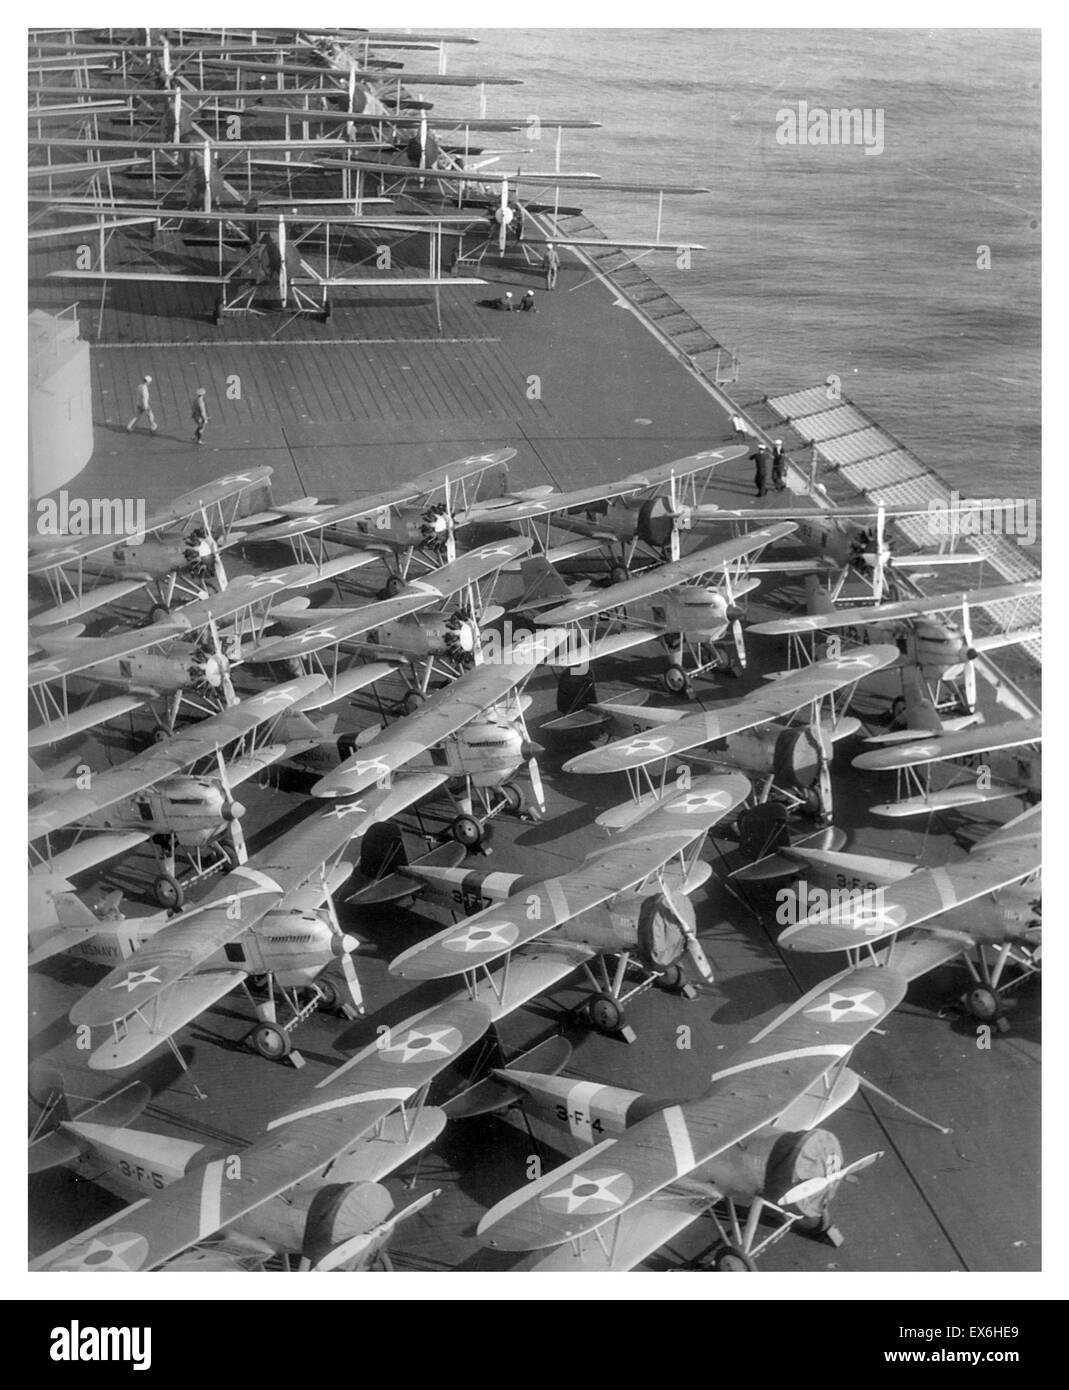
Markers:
point(812, 1187)
point(534, 772)
point(237, 841)
point(698, 958)
point(881, 554)
point(740, 642)
point(356, 994)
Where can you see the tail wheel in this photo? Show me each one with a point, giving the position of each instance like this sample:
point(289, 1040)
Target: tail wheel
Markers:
point(467, 831)
point(168, 892)
point(605, 1013)
point(271, 1041)
point(729, 1259)
point(675, 680)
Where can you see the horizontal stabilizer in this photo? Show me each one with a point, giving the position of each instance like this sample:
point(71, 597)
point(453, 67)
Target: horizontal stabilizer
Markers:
point(64, 939)
point(52, 1151)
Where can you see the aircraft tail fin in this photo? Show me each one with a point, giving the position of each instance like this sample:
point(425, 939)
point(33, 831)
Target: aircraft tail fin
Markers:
point(542, 584)
point(817, 598)
point(920, 712)
point(494, 483)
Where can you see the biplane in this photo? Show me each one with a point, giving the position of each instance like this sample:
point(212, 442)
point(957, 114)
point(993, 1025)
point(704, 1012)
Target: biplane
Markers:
point(919, 923)
point(972, 780)
point(676, 604)
point(944, 654)
point(626, 902)
point(790, 759)
point(153, 792)
point(128, 562)
point(342, 1224)
point(271, 915)
point(347, 1125)
point(625, 1190)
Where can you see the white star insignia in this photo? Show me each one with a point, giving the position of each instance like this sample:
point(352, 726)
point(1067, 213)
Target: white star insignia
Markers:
point(589, 1193)
point(840, 1008)
point(698, 801)
point(351, 809)
point(315, 633)
point(109, 1253)
point(418, 1044)
point(136, 978)
point(645, 745)
point(480, 937)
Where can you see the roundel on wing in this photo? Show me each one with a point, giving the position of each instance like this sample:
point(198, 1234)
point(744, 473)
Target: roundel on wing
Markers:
point(588, 1192)
point(694, 802)
point(114, 1251)
point(425, 1044)
point(869, 918)
point(848, 1006)
point(483, 936)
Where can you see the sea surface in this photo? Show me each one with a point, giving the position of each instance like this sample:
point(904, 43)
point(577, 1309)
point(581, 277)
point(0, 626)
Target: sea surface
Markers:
point(823, 259)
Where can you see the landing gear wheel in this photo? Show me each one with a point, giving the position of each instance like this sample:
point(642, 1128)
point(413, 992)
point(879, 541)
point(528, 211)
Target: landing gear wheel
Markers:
point(168, 892)
point(675, 680)
point(815, 1226)
point(672, 977)
point(159, 613)
point(729, 1259)
point(467, 831)
point(513, 798)
point(983, 1003)
point(330, 996)
point(898, 709)
point(160, 734)
point(393, 586)
point(619, 574)
point(605, 1013)
point(271, 1041)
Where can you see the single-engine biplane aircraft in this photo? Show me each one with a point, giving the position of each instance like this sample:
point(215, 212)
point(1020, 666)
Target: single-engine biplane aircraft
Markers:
point(920, 921)
point(943, 653)
point(789, 758)
point(636, 1188)
point(676, 604)
point(342, 1219)
point(153, 792)
point(627, 901)
point(973, 781)
point(272, 915)
point(345, 1129)
point(111, 552)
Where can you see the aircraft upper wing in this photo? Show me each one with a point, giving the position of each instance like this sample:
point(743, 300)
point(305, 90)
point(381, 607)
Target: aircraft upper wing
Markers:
point(981, 738)
point(85, 652)
point(482, 938)
point(447, 710)
point(246, 589)
point(1006, 857)
point(246, 894)
point(297, 1145)
point(774, 700)
point(891, 612)
point(64, 550)
point(753, 1088)
point(657, 581)
point(167, 758)
point(571, 501)
point(344, 629)
point(413, 491)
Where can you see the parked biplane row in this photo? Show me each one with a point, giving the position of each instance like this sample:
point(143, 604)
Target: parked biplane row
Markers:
point(239, 644)
point(263, 674)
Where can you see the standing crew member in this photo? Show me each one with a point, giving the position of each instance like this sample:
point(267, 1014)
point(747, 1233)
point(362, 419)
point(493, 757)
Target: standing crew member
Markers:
point(552, 266)
point(779, 466)
point(144, 406)
point(762, 467)
point(200, 415)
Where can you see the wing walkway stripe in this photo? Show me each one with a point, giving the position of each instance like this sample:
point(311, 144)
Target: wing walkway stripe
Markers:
point(210, 1214)
point(397, 1093)
point(675, 1122)
point(829, 1050)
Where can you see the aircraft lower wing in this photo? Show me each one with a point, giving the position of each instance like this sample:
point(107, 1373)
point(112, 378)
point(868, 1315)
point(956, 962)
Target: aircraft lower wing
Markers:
point(88, 717)
point(780, 697)
point(297, 1145)
point(867, 918)
point(981, 738)
point(171, 1009)
point(76, 608)
point(352, 624)
point(757, 1083)
point(946, 799)
point(638, 1234)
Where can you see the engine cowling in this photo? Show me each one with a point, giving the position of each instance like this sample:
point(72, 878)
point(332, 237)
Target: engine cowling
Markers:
point(770, 1164)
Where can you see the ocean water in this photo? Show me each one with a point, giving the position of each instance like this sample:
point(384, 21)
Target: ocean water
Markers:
point(824, 259)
